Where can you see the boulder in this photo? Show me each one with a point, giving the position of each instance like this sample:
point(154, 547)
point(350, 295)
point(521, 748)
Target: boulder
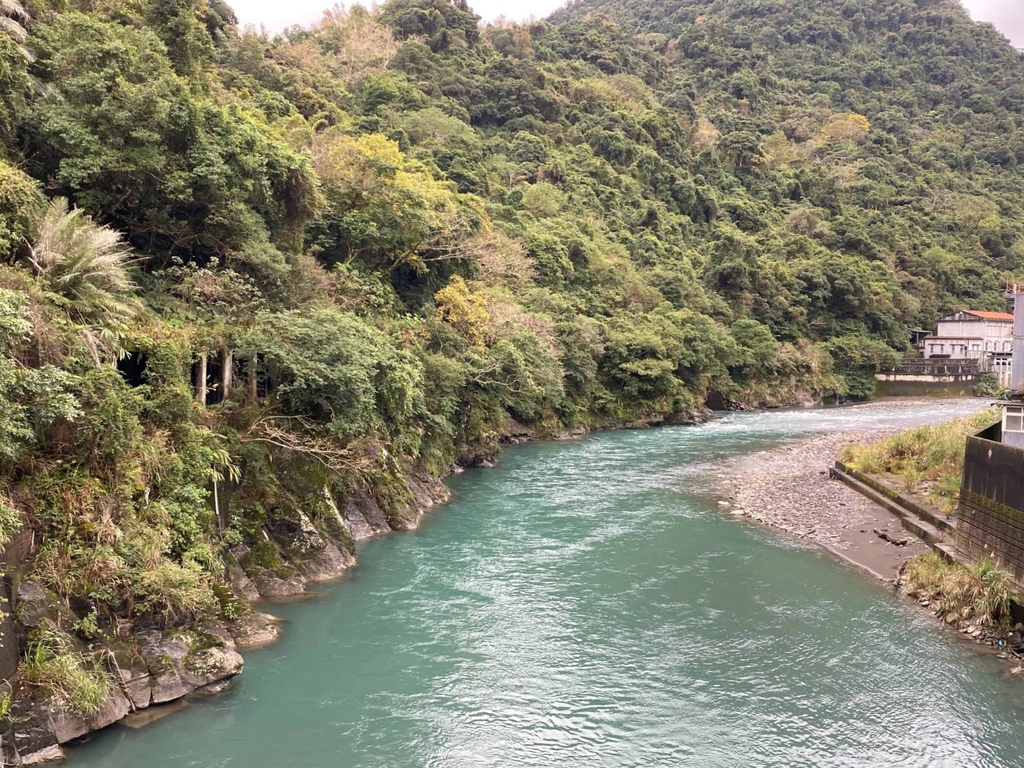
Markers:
point(50, 754)
point(208, 666)
point(316, 558)
point(35, 606)
point(180, 664)
point(363, 516)
point(256, 630)
point(240, 582)
point(269, 584)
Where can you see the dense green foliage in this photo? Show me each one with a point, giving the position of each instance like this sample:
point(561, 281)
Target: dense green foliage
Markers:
point(394, 234)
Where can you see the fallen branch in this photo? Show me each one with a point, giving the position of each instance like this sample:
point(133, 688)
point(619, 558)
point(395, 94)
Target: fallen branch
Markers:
point(891, 539)
point(312, 443)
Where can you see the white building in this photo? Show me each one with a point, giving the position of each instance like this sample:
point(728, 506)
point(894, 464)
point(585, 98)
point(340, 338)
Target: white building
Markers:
point(984, 337)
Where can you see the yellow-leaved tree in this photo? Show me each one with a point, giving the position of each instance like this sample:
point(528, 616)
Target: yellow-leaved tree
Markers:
point(384, 208)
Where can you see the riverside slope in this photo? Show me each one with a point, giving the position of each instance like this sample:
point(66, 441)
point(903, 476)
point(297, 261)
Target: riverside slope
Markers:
point(156, 666)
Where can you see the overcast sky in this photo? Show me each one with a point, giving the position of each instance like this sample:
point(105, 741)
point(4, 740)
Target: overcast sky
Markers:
point(1008, 15)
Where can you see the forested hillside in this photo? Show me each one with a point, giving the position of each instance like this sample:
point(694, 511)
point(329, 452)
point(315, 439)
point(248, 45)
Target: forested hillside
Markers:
point(245, 279)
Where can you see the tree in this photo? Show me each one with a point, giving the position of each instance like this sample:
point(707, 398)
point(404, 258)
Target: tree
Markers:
point(85, 267)
point(382, 208)
point(20, 204)
point(441, 22)
point(15, 82)
point(12, 18)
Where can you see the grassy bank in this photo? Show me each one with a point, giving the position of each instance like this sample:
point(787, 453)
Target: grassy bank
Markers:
point(980, 594)
point(928, 461)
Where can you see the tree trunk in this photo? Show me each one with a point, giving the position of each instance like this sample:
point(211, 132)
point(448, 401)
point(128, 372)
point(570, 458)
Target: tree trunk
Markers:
point(216, 507)
point(227, 363)
point(253, 380)
point(201, 379)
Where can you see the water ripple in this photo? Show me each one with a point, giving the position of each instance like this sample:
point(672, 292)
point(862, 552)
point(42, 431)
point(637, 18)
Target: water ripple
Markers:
point(583, 606)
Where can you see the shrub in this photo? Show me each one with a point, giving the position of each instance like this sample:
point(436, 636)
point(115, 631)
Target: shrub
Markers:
point(72, 678)
point(175, 593)
point(982, 593)
point(930, 453)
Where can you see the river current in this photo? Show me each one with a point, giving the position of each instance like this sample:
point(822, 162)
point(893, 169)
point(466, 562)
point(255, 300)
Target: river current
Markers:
point(586, 605)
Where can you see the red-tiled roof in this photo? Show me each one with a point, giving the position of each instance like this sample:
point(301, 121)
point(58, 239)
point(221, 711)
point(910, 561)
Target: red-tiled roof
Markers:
point(989, 315)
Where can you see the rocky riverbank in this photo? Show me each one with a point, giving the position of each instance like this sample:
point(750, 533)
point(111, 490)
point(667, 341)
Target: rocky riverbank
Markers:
point(308, 534)
point(788, 488)
point(151, 666)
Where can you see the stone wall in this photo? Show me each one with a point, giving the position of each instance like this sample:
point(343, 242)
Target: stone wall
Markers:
point(990, 522)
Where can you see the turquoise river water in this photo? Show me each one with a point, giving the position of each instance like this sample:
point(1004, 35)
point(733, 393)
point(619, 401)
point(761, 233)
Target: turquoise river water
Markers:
point(587, 605)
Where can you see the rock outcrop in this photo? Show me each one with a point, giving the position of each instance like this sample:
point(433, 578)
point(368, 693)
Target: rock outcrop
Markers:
point(154, 667)
point(308, 535)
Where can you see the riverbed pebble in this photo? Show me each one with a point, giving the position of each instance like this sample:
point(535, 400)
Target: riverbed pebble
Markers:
point(790, 489)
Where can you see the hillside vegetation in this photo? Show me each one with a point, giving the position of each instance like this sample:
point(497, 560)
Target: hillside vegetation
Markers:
point(244, 278)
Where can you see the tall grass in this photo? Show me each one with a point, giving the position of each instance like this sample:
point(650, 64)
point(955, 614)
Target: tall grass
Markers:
point(932, 455)
point(72, 678)
point(981, 594)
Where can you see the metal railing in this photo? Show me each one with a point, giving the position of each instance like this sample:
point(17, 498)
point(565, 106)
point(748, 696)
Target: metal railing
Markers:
point(933, 367)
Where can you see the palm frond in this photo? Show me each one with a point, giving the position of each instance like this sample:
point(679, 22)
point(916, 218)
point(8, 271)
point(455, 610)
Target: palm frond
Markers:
point(14, 9)
point(86, 265)
point(13, 29)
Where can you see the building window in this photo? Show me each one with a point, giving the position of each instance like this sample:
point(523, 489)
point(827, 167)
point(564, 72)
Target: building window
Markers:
point(1013, 418)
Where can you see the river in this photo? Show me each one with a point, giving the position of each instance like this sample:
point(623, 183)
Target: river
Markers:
point(586, 604)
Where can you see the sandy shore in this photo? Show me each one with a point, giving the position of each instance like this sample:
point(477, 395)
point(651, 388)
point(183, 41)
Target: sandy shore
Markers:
point(788, 488)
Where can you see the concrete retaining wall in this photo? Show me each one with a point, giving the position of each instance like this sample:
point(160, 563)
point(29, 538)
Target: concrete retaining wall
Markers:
point(916, 376)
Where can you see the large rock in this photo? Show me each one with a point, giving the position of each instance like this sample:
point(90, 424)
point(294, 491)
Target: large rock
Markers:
point(31, 713)
point(427, 490)
point(50, 754)
point(316, 558)
point(42, 722)
point(164, 656)
point(35, 606)
point(240, 581)
point(8, 749)
point(271, 585)
point(209, 666)
point(136, 681)
point(67, 726)
point(256, 630)
point(180, 664)
point(269, 573)
point(364, 516)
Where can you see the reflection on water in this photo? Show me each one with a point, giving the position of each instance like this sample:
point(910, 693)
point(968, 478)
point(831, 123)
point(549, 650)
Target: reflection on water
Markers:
point(585, 605)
